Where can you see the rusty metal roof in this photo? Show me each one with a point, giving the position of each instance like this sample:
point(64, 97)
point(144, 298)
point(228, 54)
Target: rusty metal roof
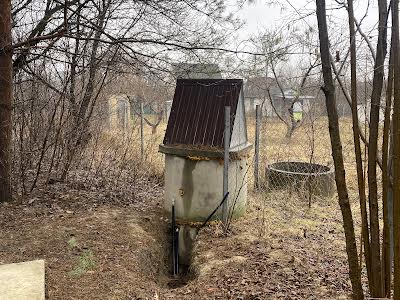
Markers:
point(197, 112)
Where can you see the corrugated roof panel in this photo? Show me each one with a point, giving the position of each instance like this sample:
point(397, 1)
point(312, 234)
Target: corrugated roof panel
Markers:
point(197, 112)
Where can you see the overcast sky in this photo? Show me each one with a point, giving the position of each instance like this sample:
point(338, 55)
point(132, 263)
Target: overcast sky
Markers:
point(259, 15)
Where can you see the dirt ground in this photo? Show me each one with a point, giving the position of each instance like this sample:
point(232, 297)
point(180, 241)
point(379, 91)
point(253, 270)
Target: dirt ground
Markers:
point(300, 254)
point(96, 250)
point(93, 250)
point(112, 243)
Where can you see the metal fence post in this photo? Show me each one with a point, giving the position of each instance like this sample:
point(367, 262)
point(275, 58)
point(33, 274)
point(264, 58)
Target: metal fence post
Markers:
point(125, 118)
point(141, 130)
point(227, 138)
point(257, 148)
point(166, 111)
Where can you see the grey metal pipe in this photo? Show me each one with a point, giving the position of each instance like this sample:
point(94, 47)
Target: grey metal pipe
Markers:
point(227, 138)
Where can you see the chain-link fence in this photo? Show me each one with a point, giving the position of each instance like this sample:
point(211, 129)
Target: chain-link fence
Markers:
point(301, 165)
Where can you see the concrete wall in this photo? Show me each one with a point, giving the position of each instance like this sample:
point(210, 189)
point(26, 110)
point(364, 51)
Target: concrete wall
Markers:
point(196, 186)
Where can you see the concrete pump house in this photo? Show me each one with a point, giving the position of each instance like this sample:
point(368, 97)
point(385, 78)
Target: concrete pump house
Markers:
point(194, 148)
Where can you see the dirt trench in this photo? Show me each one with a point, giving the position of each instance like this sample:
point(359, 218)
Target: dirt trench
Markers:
point(113, 252)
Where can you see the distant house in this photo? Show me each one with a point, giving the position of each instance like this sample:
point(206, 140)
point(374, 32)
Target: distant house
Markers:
point(301, 103)
point(135, 101)
point(258, 90)
point(121, 111)
point(196, 71)
point(364, 111)
point(118, 113)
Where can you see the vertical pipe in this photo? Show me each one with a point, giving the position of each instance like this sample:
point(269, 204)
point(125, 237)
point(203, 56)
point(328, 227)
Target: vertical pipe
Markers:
point(257, 148)
point(176, 242)
point(141, 130)
point(166, 110)
point(175, 263)
point(227, 138)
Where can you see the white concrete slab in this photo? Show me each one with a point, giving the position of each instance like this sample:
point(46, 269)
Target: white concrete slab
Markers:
point(22, 281)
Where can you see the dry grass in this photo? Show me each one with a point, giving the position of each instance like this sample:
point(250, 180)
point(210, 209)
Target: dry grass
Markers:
point(280, 249)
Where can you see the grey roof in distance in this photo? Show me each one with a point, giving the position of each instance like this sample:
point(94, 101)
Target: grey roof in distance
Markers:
point(196, 71)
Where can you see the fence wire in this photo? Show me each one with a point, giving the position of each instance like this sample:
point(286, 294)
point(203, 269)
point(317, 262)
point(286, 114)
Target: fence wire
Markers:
point(301, 165)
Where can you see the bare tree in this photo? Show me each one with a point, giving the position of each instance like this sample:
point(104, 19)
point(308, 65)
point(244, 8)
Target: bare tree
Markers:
point(357, 144)
point(396, 147)
point(340, 178)
point(71, 51)
point(379, 71)
point(277, 46)
point(386, 178)
point(291, 123)
point(153, 93)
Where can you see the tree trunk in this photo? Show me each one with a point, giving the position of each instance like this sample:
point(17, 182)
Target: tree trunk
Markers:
point(396, 148)
point(292, 124)
point(5, 100)
point(377, 84)
point(357, 144)
point(386, 184)
point(340, 178)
